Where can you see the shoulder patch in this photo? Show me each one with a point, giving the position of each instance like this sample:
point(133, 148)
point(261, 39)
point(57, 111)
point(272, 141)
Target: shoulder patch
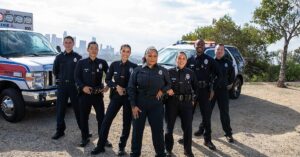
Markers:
point(206, 61)
point(187, 76)
point(160, 72)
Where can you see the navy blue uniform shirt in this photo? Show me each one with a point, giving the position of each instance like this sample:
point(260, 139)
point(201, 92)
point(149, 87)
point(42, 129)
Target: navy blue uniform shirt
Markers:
point(205, 69)
point(64, 65)
point(227, 72)
point(184, 81)
point(146, 82)
point(90, 72)
point(119, 74)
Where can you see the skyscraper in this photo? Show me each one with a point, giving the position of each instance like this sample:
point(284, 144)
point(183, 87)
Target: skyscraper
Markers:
point(82, 46)
point(65, 34)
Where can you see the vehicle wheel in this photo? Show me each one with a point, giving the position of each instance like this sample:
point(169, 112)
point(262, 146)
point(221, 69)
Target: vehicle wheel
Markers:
point(235, 92)
point(12, 105)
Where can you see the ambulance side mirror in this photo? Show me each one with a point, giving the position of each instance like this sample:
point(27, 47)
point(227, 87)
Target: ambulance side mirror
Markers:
point(58, 49)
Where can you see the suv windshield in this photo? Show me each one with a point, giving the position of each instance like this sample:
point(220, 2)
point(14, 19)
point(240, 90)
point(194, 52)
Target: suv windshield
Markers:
point(22, 43)
point(167, 56)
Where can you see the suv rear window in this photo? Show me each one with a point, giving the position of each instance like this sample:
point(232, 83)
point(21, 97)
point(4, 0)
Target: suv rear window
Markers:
point(236, 54)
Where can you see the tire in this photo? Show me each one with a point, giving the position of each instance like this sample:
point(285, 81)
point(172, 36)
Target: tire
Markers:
point(235, 92)
point(12, 105)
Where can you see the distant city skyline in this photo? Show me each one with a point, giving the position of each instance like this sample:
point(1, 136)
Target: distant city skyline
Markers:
point(108, 52)
point(80, 46)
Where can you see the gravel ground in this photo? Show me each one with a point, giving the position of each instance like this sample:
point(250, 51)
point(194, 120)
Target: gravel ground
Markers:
point(265, 122)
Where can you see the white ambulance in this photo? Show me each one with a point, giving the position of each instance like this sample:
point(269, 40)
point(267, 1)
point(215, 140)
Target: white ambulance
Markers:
point(26, 60)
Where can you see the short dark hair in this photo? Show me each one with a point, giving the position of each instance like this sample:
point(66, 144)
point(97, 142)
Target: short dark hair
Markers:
point(125, 46)
point(92, 43)
point(220, 44)
point(181, 52)
point(69, 37)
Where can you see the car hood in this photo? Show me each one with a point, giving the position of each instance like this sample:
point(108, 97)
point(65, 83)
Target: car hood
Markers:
point(44, 63)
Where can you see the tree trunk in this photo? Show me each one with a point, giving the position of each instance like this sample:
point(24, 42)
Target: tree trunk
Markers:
point(281, 80)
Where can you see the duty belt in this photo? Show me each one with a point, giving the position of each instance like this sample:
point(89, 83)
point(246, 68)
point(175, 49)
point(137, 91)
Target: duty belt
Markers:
point(182, 97)
point(97, 90)
point(65, 82)
point(202, 84)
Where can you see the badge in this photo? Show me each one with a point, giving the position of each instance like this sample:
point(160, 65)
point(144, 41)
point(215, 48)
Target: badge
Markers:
point(75, 60)
point(115, 73)
point(226, 65)
point(130, 70)
point(100, 66)
point(97, 70)
point(205, 61)
point(160, 72)
point(187, 76)
point(202, 66)
point(86, 70)
point(173, 79)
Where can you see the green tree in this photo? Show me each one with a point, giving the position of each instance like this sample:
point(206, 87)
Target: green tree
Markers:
point(248, 39)
point(279, 19)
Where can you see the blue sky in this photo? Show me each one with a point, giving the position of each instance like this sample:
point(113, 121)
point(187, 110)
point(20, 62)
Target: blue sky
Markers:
point(140, 23)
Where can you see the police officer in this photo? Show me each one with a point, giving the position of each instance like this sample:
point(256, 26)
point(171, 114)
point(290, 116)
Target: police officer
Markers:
point(206, 70)
point(88, 77)
point(146, 86)
point(117, 79)
point(63, 70)
point(221, 90)
point(184, 83)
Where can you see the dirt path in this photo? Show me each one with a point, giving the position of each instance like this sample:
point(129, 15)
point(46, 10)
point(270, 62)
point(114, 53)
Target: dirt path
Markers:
point(265, 122)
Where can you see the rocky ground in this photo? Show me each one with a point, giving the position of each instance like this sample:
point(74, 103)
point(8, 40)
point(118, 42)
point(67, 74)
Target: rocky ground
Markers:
point(265, 121)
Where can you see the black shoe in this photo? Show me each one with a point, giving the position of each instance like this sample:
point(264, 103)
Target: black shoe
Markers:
point(84, 142)
point(168, 154)
point(199, 132)
point(58, 135)
point(121, 152)
point(90, 135)
point(190, 154)
point(230, 139)
point(108, 144)
point(180, 141)
point(210, 145)
point(97, 150)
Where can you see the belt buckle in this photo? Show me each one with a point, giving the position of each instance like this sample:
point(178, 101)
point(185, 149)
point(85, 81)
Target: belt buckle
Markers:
point(188, 97)
point(180, 97)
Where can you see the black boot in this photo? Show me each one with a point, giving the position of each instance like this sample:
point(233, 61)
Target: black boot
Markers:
point(84, 142)
point(188, 154)
point(121, 152)
point(210, 145)
point(230, 139)
point(58, 135)
point(199, 132)
point(108, 144)
point(97, 150)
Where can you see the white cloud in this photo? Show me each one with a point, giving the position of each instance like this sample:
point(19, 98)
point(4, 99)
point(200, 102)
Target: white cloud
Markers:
point(140, 23)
